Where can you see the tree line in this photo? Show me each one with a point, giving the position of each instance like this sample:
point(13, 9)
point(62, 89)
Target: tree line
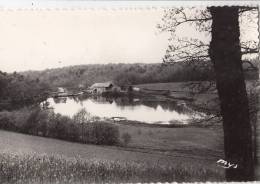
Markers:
point(121, 74)
point(17, 90)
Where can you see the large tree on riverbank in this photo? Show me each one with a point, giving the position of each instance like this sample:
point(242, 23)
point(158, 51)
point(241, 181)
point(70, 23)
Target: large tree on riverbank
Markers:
point(224, 55)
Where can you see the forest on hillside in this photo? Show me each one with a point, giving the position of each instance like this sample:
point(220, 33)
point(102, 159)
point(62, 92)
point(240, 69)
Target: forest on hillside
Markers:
point(86, 75)
point(17, 90)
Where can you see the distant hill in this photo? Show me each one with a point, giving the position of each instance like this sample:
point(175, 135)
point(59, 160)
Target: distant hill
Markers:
point(86, 75)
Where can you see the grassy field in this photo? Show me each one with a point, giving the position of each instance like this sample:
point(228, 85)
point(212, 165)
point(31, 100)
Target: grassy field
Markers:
point(172, 86)
point(34, 168)
point(189, 142)
point(153, 154)
point(184, 86)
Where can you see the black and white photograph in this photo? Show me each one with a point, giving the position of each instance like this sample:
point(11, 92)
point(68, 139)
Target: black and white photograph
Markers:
point(129, 93)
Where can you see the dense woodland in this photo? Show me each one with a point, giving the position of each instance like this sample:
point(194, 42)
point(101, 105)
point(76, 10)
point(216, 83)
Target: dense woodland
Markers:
point(86, 75)
point(17, 90)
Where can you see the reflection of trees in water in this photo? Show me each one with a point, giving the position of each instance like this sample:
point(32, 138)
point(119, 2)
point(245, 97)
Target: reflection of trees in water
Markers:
point(96, 99)
point(120, 101)
point(168, 105)
point(102, 100)
point(75, 98)
point(60, 100)
point(123, 102)
point(83, 97)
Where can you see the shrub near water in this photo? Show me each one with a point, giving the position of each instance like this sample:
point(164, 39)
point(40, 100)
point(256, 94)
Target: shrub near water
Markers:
point(126, 138)
point(104, 133)
point(36, 121)
point(32, 168)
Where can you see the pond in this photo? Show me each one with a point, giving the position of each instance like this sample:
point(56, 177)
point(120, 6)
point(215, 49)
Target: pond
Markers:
point(133, 109)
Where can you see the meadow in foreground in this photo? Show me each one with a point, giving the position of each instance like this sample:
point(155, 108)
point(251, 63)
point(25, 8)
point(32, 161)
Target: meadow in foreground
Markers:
point(42, 168)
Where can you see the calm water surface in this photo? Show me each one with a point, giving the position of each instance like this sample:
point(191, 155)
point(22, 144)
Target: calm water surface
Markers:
point(131, 109)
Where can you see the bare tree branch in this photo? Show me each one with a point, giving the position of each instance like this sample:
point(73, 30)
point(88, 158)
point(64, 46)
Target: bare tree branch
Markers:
point(175, 17)
point(243, 9)
point(250, 47)
point(184, 49)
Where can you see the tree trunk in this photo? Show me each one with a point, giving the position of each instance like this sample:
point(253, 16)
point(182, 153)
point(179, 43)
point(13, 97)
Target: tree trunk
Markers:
point(225, 52)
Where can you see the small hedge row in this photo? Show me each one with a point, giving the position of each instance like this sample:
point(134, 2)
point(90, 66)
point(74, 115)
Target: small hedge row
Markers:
point(46, 123)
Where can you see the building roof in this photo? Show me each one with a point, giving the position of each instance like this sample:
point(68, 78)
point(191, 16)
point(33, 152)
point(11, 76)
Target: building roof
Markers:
point(101, 85)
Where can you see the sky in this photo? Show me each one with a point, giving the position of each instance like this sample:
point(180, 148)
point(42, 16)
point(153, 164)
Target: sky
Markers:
point(40, 39)
point(43, 39)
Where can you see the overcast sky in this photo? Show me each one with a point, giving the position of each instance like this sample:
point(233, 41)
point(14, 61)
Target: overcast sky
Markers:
point(46, 39)
point(36, 40)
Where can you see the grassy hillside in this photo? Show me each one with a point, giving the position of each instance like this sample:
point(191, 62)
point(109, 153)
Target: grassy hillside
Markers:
point(153, 154)
point(148, 144)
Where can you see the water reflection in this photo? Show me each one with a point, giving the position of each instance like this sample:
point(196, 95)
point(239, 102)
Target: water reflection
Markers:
point(129, 108)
